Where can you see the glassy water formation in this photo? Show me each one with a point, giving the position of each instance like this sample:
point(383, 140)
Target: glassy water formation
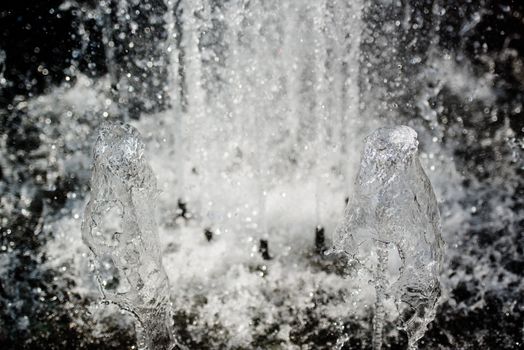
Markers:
point(120, 230)
point(394, 207)
point(253, 115)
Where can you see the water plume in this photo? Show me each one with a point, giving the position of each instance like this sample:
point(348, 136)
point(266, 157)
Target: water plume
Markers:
point(394, 214)
point(120, 230)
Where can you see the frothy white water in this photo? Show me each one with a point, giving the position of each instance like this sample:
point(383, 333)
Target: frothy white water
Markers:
point(261, 139)
point(269, 89)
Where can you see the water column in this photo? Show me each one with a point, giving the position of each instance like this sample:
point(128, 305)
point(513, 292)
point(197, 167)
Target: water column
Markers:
point(320, 80)
point(119, 228)
point(394, 213)
point(177, 102)
point(348, 24)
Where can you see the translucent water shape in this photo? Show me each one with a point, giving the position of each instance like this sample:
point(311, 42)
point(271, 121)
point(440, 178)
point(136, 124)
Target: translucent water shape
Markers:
point(119, 228)
point(393, 216)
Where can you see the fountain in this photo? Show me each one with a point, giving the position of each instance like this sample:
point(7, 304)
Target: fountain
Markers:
point(393, 207)
point(394, 211)
point(120, 230)
point(252, 114)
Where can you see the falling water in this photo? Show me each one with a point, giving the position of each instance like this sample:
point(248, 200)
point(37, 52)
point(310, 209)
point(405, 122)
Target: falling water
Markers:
point(270, 86)
point(252, 115)
point(259, 94)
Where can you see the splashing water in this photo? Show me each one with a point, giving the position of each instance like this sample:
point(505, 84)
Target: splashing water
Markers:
point(120, 230)
point(394, 211)
point(260, 82)
point(251, 112)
